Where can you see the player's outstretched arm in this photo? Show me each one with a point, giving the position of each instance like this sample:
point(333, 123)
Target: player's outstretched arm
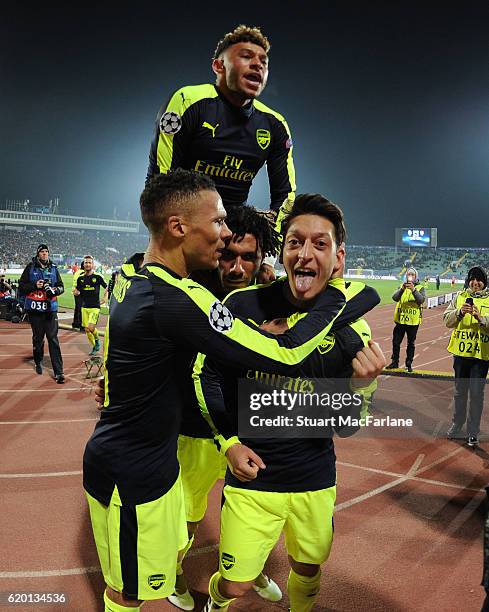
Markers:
point(196, 317)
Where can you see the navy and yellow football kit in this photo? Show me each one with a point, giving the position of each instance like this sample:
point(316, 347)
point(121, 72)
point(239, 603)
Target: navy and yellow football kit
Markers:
point(201, 463)
point(300, 475)
point(89, 287)
point(157, 322)
point(200, 130)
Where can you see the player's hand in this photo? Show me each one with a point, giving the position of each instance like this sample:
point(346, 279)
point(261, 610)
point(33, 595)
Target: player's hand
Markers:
point(100, 393)
point(75, 291)
point(243, 462)
point(466, 309)
point(40, 284)
point(276, 326)
point(266, 274)
point(367, 365)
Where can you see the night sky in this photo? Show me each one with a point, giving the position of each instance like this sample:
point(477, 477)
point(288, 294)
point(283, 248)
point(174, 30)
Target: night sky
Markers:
point(388, 103)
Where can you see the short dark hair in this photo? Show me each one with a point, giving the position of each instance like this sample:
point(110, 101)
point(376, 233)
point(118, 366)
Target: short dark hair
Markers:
point(242, 33)
point(166, 190)
point(317, 204)
point(246, 219)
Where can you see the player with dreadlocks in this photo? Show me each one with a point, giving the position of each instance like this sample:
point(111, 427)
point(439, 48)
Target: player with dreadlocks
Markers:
point(201, 463)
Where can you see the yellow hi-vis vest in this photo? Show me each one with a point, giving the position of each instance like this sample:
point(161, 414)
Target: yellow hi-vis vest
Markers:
point(408, 311)
point(468, 339)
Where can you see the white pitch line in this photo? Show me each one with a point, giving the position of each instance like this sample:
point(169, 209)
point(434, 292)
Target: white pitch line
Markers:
point(94, 569)
point(213, 547)
point(424, 327)
point(42, 474)
point(420, 365)
point(203, 550)
point(381, 489)
point(11, 371)
point(58, 388)
point(80, 382)
point(449, 485)
point(438, 483)
point(414, 468)
point(48, 573)
point(369, 494)
point(440, 460)
point(64, 355)
point(46, 422)
point(437, 429)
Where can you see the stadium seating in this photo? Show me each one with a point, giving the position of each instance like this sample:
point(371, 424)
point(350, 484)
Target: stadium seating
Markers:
point(109, 248)
point(390, 261)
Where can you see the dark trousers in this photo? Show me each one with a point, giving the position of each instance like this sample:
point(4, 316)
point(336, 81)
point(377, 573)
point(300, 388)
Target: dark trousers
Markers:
point(46, 325)
point(77, 318)
point(470, 377)
point(397, 337)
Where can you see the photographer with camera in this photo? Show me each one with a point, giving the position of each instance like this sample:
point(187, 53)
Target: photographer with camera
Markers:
point(41, 284)
point(410, 298)
point(468, 316)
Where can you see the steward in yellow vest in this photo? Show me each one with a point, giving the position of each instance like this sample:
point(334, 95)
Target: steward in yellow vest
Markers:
point(407, 318)
point(468, 316)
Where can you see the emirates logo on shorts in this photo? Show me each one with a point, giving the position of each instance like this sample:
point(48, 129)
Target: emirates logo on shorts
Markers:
point(156, 581)
point(227, 560)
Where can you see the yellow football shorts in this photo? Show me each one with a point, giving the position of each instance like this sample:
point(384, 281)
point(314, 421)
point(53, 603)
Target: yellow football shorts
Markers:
point(90, 316)
point(201, 465)
point(252, 521)
point(138, 544)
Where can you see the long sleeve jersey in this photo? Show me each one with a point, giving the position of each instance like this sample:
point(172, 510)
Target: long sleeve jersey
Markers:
point(157, 323)
point(293, 464)
point(199, 129)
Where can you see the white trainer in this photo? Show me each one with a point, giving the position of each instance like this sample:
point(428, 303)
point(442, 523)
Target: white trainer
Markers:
point(271, 592)
point(184, 601)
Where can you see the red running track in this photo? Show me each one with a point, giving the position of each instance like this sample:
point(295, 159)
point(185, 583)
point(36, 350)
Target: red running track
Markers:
point(408, 519)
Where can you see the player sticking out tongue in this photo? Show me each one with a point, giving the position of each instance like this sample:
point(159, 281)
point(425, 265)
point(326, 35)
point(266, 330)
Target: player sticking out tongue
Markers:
point(303, 279)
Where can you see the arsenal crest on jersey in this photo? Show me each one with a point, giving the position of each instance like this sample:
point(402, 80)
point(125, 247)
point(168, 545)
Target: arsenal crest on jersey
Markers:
point(263, 138)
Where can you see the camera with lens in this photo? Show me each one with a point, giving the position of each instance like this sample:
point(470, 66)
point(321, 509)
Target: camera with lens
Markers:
point(50, 291)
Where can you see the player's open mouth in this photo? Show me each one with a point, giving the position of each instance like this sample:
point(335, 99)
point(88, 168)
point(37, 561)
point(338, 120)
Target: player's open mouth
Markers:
point(303, 279)
point(253, 77)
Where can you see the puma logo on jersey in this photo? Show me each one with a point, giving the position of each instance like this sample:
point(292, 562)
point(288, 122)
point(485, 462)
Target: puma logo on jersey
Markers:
point(211, 128)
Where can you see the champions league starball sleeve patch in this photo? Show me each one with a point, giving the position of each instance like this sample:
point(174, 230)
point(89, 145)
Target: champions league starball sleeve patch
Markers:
point(170, 123)
point(220, 317)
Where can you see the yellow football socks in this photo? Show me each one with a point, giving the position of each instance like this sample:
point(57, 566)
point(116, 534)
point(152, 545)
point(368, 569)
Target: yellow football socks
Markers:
point(302, 591)
point(215, 594)
point(111, 606)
